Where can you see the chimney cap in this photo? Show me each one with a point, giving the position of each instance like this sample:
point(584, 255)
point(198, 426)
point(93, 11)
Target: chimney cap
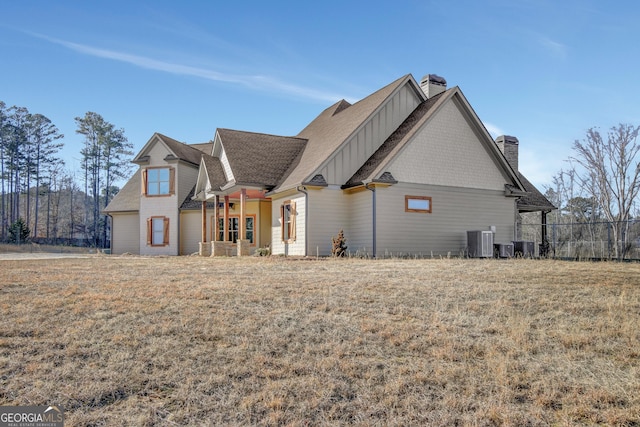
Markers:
point(434, 79)
point(508, 139)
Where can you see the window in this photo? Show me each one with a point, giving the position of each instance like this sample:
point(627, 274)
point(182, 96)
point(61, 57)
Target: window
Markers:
point(158, 231)
point(288, 221)
point(158, 181)
point(421, 204)
point(234, 231)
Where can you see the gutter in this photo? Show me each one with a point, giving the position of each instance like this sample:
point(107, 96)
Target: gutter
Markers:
point(302, 189)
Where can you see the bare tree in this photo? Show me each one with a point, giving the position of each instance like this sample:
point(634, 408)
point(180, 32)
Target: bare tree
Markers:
point(611, 175)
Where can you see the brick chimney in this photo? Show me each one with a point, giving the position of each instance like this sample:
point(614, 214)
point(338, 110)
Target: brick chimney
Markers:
point(509, 147)
point(432, 85)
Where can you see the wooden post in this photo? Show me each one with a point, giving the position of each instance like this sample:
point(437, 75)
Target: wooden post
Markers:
point(204, 221)
point(225, 221)
point(242, 232)
point(215, 226)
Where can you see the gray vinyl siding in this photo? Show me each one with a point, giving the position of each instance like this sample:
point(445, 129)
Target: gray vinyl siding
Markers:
point(359, 235)
point(278, 247)
point(191, 231)
point(455, 210)
point(327, 215)
point(348, 159)
point(186, 176)
point(448, 151)
point(125, 232)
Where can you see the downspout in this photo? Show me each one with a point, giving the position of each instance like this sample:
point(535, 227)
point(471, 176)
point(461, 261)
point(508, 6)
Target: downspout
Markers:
point(302, 189)
point(515, 219)
point(373, 190)
point(179, 243)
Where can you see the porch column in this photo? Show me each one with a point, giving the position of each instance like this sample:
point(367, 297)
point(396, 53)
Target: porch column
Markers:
point(225, 221)
point(204, 221)
point(204, 248)
point(218, 247)
point(216, 214)
point(243, 243)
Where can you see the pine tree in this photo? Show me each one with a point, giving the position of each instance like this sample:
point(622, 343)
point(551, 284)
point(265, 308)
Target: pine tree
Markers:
point(19, 231)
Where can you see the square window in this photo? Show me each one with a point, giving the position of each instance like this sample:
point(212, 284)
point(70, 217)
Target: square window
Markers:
point(158, 181)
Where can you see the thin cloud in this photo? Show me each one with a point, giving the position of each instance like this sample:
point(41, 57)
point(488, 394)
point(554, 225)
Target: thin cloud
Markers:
point(263, 83)
point(494, 130)
point(553, 46)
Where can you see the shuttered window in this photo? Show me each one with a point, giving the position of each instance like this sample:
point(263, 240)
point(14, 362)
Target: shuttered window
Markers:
point(288, 221)
point(158, 231)
point(158, 181)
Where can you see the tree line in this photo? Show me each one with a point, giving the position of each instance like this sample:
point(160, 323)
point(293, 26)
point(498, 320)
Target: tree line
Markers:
point(40, 199)
point(601, 184)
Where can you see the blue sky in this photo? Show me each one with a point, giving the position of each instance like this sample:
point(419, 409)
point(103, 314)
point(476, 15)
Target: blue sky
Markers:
point(544, 71)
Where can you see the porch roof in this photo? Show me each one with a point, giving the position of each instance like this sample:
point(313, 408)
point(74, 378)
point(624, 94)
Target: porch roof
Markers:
point(533, 200)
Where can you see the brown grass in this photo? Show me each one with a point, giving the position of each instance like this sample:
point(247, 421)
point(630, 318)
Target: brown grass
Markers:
point(268, 341)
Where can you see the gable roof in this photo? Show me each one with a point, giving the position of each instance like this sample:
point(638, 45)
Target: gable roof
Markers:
point(373, 168)
point(180, 150)
point(332, 128)
point(256, 159)
point(368, 169)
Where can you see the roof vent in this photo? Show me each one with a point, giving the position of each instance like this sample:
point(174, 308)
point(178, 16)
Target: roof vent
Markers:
point(432, 85)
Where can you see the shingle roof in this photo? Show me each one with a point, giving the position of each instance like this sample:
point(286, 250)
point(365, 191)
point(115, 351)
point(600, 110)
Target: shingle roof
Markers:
point(183, 151)
point(190, 204)
point(215, 172)
point(128, 198)
point(205, 147)
point(258, 158)
point(534, 200)
point(392, 142)
point(331, 129)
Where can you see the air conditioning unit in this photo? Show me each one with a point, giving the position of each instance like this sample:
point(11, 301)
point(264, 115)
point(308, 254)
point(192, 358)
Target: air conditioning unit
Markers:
point(503, 250)
point(480, 244)
point(523, 248)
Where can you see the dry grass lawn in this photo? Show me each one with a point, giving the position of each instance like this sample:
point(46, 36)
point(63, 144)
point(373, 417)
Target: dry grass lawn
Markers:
point(267, 341)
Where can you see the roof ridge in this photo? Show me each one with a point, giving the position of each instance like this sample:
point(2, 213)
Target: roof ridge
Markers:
point(259, 133)
point(342, 105)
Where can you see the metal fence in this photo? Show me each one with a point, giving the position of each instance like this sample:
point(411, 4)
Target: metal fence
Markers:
point(593, 240)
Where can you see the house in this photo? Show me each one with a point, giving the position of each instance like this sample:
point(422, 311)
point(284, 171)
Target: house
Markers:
point(406, 170)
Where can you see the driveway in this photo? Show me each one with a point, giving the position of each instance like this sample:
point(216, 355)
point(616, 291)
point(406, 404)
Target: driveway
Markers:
point(16, 256)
